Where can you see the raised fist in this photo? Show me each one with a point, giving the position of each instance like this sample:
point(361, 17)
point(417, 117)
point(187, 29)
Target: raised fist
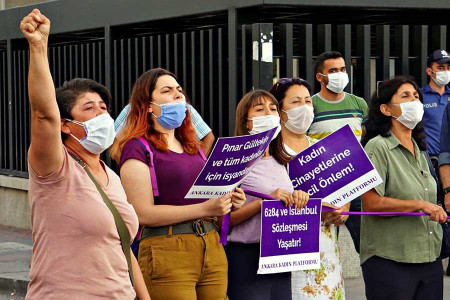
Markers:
point(36, 28)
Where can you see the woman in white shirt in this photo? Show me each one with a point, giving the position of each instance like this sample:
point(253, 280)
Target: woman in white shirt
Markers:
point(297, 114)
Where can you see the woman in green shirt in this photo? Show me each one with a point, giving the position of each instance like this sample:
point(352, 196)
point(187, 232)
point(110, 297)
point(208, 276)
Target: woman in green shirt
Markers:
point(400, 254)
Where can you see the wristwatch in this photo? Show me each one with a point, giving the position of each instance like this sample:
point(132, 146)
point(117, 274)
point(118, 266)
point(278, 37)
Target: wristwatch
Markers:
point(447, 190)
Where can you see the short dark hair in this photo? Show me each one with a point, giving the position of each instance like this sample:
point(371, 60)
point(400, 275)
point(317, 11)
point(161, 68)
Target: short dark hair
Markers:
point(70, 91)
point(323, 57)
point(379, 124)
point(280, 88)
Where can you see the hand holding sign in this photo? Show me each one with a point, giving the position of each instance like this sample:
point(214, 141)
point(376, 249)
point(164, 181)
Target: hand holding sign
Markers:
point(218, 206)
point(238, 198)
point(334, 216)
point(284, 196)
point(300, 199)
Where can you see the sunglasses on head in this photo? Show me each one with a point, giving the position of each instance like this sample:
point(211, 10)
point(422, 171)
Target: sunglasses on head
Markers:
point(288, 80)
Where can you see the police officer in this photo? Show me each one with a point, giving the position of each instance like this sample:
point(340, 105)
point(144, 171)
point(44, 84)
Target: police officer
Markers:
point(436, 95)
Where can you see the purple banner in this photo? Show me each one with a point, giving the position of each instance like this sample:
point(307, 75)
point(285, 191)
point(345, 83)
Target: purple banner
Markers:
point(289, 238)
point(230, 160)
point(335, 169)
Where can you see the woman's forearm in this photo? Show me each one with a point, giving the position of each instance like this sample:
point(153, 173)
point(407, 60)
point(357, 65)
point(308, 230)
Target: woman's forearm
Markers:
point(45, 153)
point(374, 202)
point(247, 211)
point(139, 283)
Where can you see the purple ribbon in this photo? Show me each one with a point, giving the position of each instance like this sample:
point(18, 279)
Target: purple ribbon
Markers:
point(225, 228)
point(259, 195)
point(326, 208)
point(226, 218)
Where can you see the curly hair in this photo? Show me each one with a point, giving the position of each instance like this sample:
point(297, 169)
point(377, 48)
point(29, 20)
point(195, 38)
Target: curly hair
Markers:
point(379, 124)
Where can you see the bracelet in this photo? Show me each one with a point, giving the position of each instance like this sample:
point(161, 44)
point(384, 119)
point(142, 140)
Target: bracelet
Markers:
point(447, 190)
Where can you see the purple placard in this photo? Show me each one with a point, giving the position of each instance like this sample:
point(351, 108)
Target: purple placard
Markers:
point(335, 169)
point(229, 162)
point(289, 238)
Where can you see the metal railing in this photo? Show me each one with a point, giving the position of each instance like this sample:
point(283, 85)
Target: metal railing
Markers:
point(215, 64)
point(196, 57)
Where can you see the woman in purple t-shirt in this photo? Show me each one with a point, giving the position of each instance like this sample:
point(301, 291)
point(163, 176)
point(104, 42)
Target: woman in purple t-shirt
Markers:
point(179, 254)
point(258, 111)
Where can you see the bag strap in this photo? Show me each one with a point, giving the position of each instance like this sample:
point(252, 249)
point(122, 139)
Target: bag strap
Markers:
point(436, 178)
point(202, 154)
point(122, 229)
point(430, 165)
point(149, 153)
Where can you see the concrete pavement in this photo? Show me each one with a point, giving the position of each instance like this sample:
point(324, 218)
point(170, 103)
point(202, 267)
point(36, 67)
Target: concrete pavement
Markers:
point(15, 257)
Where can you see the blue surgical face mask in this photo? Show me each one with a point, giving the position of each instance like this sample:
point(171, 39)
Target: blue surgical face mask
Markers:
point(172, 114)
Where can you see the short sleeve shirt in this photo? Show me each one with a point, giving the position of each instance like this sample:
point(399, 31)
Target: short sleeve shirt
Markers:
point(403, 239)
point(120, 121)
point(434, 106)
point(175, 172)
point(330, 116)
point(77, 252)
point(201, 128)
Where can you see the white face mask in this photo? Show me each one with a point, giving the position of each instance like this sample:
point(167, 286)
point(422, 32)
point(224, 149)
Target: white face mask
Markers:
point(412, 113)
point(264, 123)
point(442, 78)
point(299, 118)
point(100, 133)
point(337, 81)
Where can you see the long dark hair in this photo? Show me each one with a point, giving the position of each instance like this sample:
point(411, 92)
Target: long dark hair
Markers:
point(379, 124)
point(252, 98)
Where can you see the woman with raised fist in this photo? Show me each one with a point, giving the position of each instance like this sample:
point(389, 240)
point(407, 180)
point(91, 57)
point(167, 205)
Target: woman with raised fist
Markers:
point(82, 223)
